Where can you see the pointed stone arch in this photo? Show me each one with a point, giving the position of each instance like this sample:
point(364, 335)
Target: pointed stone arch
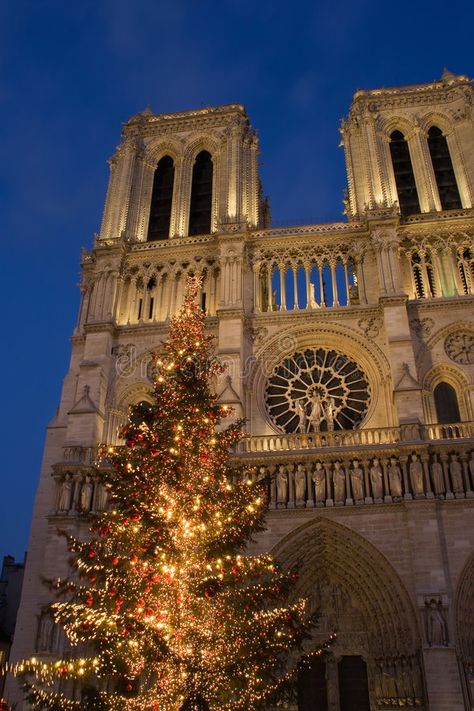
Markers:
point(202, 142)
point(398, 123)
point(438, 119)
point(444, 372)
point(362, 599)
point(163, 147)
point(326, 550)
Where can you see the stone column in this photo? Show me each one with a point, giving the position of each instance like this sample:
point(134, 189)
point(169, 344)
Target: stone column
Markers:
point(118, 194)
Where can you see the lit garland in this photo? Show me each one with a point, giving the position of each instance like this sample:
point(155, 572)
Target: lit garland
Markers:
point(162, 591)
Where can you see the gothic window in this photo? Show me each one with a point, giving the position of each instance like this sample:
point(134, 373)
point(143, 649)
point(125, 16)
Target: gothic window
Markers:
point(443, 170)
point(201, 195)
point(161, 199)
point(423, 275)
point(317, 390)
point(465, 261)
point(404, 176)
point(446, 403)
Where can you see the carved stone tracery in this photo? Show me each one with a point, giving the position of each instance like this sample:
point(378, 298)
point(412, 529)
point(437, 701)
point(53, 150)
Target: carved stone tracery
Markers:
point(317, 389)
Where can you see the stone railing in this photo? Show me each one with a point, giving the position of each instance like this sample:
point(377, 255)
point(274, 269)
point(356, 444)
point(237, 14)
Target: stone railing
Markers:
point(356, 438)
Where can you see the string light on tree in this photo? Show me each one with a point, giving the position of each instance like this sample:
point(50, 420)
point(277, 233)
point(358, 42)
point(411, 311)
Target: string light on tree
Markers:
point(176, 615)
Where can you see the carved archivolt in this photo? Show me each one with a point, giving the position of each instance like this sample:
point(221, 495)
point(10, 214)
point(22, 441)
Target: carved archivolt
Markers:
point(444, 333)
point(328, 551)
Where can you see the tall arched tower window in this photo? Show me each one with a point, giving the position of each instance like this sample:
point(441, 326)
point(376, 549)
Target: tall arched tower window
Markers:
point(161, 200)
point(443, 170)
point(446, 403)
point(201, 195)
point(404, 176)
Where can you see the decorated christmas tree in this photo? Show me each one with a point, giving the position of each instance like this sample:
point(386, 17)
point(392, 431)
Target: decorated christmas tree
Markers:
point(163, 610)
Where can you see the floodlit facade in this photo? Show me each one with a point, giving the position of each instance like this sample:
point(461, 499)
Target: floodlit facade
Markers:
point(350, 352)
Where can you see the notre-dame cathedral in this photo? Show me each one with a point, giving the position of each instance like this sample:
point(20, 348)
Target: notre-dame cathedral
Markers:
point(350, 352)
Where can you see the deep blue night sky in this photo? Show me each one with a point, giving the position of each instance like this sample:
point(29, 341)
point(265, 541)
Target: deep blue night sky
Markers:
point(71, 73)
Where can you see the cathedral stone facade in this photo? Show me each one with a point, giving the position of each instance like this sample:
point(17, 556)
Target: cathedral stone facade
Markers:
point(350, 352)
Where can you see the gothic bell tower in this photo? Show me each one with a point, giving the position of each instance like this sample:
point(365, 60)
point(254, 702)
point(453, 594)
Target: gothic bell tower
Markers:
point(406, 148)
point(176, 175)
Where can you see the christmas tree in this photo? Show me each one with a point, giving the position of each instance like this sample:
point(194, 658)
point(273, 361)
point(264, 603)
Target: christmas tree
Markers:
point(166, 609)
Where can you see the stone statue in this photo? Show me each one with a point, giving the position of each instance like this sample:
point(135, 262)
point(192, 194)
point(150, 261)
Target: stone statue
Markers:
point(329, 412)
point(282, 486)
point(471, 471)
point(376, 480)
point(339, 480)
point(315, 414)
point(301, 415)
point(101, 495)
point(357, 481)
point(319, 479)
point(64, 503)
point(87, 490)
point(300, 485)
point(395, 479)
point(416, 476)
point(436, 631)
point(437, 476)
point(45, 633)
point(456, 475)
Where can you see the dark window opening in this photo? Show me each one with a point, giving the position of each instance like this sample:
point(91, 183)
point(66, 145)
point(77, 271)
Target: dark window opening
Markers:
point(203, 301)
point(201, 195)
point(140, 306)
point(443, 170)
point(446, 403)
point(353, 684)
point(150, 311)
point(404, 176)
point(161, 200)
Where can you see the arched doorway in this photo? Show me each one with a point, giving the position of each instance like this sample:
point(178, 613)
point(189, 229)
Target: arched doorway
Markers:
point(375, 662)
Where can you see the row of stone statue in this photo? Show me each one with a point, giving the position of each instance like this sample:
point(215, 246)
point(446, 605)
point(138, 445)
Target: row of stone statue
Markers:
point(81, 493)
point(370, 481)
point(397, 682)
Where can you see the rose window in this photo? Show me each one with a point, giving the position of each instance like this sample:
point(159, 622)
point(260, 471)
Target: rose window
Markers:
point(460, 347)
point(317, 390)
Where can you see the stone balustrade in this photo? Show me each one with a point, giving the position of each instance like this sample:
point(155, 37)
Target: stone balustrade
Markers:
point(355, 438)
